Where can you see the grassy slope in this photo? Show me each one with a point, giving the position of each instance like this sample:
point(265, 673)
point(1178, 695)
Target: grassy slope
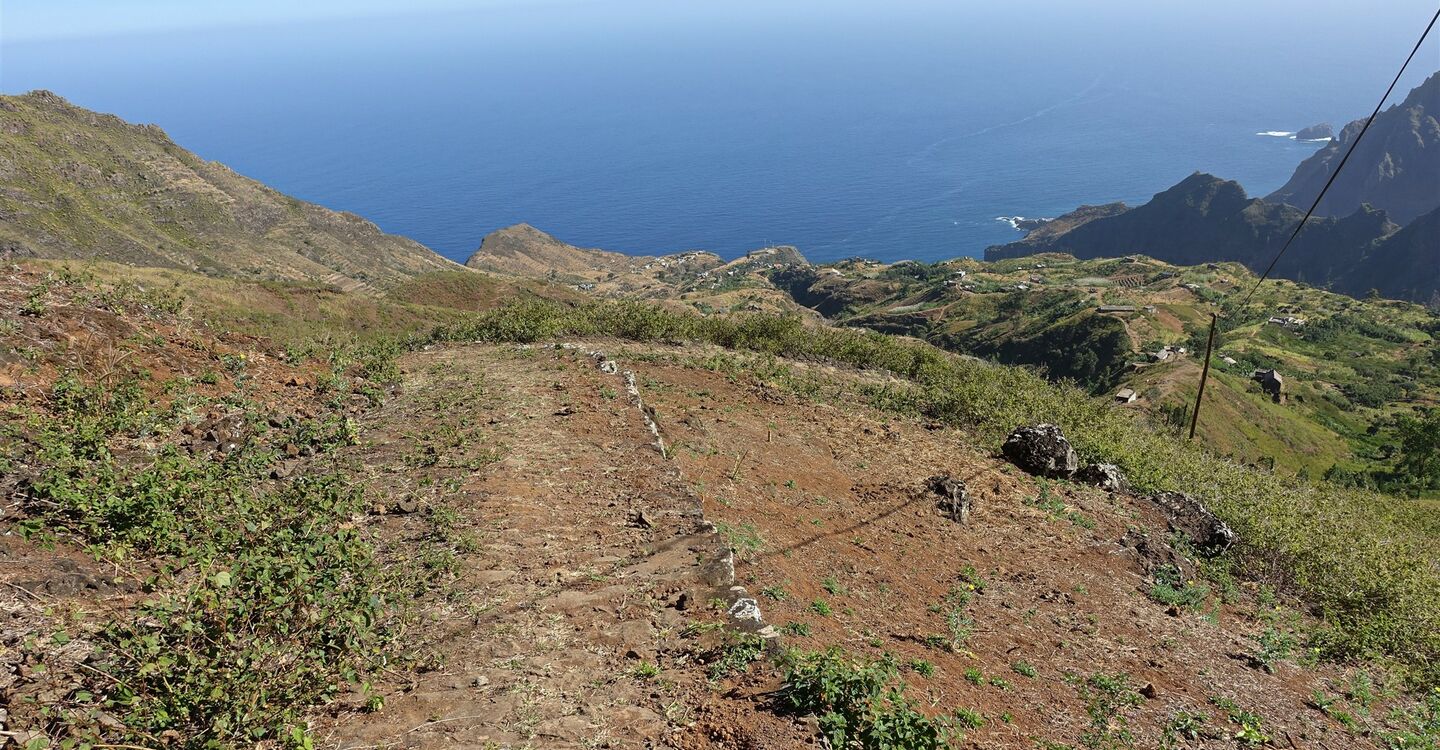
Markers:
point(1322, 425)
point(77, 184)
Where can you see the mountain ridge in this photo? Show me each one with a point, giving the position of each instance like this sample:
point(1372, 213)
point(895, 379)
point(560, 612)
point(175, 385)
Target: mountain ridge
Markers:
point(80, 184)
point(1396, 167)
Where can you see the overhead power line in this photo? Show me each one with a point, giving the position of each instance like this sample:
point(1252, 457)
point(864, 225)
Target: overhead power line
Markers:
point(1343, 159)
point(1215, 317)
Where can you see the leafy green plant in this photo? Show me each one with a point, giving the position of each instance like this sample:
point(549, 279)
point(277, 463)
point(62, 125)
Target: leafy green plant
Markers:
point(1274, 645)
point(1251, 730)
point(735, 654)
point(1170, 588)
point(743, 538)
point(1107, 697)
point(800, 629)
point(775, 593)
point(265, 598)
point(1184, 725)
point(858, 702)
point(969, 718)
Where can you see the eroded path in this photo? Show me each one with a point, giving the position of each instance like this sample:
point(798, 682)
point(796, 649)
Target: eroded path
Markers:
point(575, 539)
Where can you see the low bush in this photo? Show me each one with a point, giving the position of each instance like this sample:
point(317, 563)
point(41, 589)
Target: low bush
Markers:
point(859, 702)
point(264, 598)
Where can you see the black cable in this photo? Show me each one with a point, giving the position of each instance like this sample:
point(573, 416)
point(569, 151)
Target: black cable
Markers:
point(1343, 159)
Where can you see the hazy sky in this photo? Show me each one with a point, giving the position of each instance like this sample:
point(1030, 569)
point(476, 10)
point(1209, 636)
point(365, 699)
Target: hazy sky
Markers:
point(32, 20)
point(28, 20)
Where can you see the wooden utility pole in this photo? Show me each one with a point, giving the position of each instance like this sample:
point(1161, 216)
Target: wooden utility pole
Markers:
point(1204, 375)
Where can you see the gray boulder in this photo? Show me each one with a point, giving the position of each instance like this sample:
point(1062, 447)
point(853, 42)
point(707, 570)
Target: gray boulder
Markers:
point(1210, 535)
point(1107, 477)
point(1041, 450)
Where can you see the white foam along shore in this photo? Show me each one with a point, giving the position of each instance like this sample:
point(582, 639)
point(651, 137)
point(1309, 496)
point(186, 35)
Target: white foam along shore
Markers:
point(1291, 135)
point(1016, 221)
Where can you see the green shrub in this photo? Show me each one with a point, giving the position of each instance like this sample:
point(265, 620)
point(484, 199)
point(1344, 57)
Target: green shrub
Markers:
point(264, 599)
point(1171, 589)
point(860, 703)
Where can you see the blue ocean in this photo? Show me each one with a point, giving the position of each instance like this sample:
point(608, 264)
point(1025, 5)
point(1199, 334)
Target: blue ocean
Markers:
point(887, 130)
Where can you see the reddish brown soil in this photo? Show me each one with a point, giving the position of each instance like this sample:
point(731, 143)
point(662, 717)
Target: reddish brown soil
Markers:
point(584, 542)
point(838, 492)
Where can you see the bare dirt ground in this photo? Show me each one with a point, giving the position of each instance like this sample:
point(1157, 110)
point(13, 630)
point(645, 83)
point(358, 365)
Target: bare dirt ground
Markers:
point(584, 539)
point(586, 542)
point(833, 498)
point(585, 557)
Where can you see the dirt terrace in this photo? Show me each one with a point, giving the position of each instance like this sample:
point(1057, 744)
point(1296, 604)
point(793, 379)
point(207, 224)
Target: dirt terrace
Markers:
point(587, 545)
point(566, 626)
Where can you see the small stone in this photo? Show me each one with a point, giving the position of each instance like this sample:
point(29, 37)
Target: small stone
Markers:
point(640, 520)
point(745, 608)
point(954, 497)
point(1149, 691)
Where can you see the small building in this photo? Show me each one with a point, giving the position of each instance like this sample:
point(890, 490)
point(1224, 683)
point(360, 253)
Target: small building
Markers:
point(1160, 356)
point(1151, 309)
point(1271, 383)
point(1126, 396)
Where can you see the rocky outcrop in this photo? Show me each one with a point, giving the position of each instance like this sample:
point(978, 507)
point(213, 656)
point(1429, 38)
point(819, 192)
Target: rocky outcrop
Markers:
point(1319, 132)
point(523, 250)
point(1210, 535)
point(1107, 477)
point(1396, 167)
point(1050, 229)
point(1041, 450)
point(1404, 265)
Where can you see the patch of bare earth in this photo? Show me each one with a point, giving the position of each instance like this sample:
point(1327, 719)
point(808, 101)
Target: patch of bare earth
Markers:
point(582, 539)
point(837, 494)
